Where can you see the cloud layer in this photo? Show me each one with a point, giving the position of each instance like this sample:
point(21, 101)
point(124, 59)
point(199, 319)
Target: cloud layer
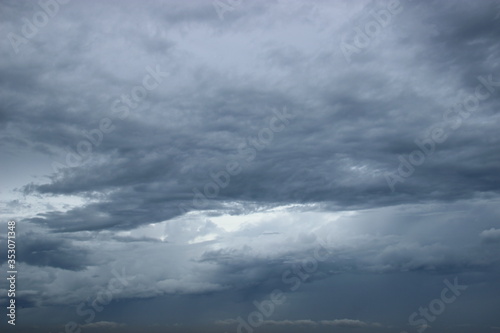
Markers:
point(201, 152)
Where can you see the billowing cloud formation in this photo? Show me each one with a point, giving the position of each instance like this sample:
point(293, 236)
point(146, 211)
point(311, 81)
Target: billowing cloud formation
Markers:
point(491, 235)
point(346, 135)
point(174, 162)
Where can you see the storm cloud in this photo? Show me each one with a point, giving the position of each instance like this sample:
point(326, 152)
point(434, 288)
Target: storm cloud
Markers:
point(173, 163)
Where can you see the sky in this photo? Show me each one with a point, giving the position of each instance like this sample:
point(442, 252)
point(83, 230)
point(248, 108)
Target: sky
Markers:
point(251, 166)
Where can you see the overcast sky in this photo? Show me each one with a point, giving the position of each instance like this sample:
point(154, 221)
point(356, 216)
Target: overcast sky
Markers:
point(251, 166)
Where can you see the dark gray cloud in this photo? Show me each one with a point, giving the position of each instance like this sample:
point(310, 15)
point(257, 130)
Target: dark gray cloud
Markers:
point(39, 250)
point(205, 150)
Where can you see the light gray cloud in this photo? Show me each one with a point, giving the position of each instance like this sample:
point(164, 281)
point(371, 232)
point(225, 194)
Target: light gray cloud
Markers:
point(102, 324)
point(491, 235)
